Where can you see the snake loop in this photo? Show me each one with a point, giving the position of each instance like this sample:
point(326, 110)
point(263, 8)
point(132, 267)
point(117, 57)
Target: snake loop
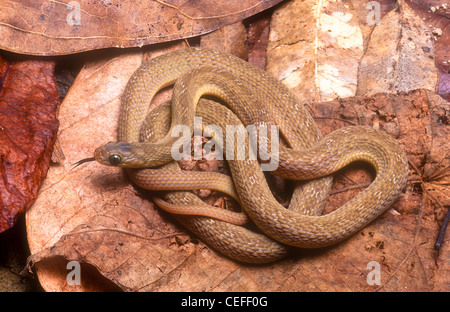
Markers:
point(253, 96)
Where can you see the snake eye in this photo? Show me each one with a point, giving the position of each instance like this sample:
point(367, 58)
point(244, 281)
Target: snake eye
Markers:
point(115, 159)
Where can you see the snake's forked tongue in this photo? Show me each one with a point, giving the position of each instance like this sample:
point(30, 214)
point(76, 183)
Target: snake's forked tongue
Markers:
point(82, 161)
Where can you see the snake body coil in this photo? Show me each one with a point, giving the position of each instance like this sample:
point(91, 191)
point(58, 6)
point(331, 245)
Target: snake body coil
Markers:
point(254, 98)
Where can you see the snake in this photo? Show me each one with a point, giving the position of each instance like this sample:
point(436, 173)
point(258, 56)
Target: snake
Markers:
point(223, 90)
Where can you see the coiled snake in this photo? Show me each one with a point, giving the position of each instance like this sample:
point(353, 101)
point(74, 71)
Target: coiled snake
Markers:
point(255, 98)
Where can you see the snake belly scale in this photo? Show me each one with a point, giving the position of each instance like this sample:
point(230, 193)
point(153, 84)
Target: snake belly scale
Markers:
point(254, 97)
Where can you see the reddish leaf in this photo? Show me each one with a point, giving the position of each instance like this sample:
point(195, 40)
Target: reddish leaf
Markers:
point(28, 126)
point(258, 38)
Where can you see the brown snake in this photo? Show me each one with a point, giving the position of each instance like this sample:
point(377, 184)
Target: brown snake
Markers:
point(255, 97)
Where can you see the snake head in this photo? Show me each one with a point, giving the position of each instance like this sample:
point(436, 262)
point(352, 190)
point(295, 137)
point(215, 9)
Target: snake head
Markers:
point(116, 154)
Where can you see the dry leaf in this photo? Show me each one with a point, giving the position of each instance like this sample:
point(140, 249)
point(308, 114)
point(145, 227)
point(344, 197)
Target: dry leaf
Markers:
point(400, 55)
point(95, 96)
point(315, 50)
point(62, 27)
point(70, 194)
point(368, 15)
point(230, 39)
point(258, 38)
point(28, 126)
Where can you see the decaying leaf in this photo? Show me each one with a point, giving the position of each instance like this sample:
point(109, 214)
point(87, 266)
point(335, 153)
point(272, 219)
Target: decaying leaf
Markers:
point(257, 39)
point(400, 55)
point(47, 27)
point(230, 38)
point(95, 96)
point(315, 49)
point(370, 13)
point(28, 126)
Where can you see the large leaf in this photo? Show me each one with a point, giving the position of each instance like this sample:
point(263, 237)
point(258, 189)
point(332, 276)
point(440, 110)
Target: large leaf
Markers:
point(47, 27)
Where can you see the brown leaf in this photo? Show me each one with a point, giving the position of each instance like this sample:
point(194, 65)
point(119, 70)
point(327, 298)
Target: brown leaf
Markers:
point(315, 50)
point(51, 28)
point(28, 125)
point(230, 38)
point(258, 38)
point(400, 55)
point(367, 15)
point(94, 96)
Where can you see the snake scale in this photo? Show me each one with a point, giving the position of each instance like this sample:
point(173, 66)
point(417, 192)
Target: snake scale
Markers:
point(251, 96)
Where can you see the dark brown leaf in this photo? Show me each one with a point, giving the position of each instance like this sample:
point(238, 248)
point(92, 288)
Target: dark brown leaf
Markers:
point(28, 126)
point(230, 38)
point(46, 27)
point(258, 38)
